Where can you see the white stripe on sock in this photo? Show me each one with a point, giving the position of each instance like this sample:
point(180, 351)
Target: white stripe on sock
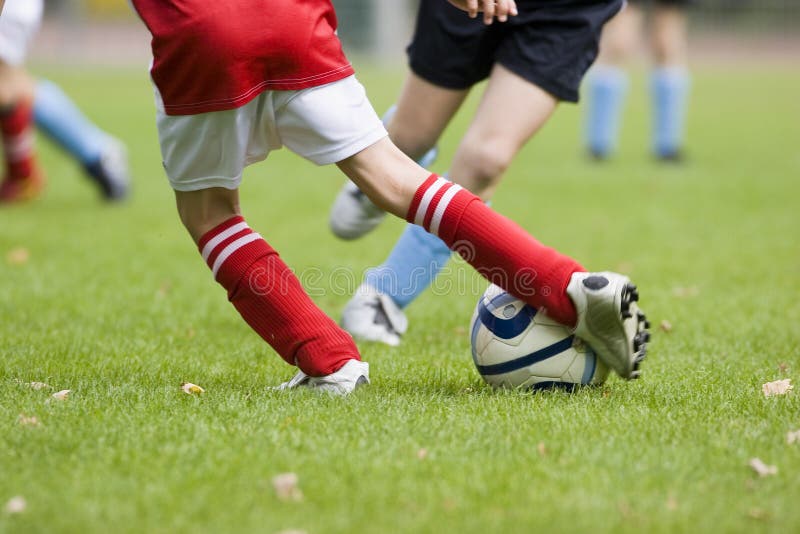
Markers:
point(220, 237)
point(419, 217)
point(18, 147)
point(231, 248)
point(442, 206)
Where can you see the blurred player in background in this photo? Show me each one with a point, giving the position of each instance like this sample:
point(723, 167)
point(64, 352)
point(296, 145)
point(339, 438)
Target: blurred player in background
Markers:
point(669, 80)
point(23, 179)
point(102, 156)
point(236, 79)
point(533, 62)
point(22, 103)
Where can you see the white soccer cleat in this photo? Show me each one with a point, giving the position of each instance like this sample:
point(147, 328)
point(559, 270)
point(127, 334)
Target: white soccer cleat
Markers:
point(353, 215)
point(373, 316)
point(609, 320)
point(352, 375)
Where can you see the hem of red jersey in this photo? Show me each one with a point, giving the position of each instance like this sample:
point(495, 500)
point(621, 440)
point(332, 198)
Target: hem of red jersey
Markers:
point(252, 93)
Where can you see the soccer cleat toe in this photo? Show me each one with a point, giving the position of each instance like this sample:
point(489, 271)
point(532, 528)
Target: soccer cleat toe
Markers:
point(347, 379)
point(610, 321)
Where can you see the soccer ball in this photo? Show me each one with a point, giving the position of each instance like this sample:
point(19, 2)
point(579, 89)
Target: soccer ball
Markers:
point(516, 346)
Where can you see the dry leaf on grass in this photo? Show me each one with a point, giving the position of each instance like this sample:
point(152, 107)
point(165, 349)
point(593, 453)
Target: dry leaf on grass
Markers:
point(665, 326)
point(191, 389)
point(18, 256)
point(672, 503)
point(541, 449)
point(164, 289)
point(779, 387)
point(761, 468)
point(422, 454)
point(793, 437)
point(757, 513)
point(286, 487)
point(685, 292)
point(16, 505)
point(62, 395)
point(28, 420)
point(32, 385)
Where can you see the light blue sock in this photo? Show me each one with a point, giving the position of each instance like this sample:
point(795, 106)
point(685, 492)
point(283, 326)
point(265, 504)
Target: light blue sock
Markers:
point(607, 87)
point(669, 88)
point(57, 115)
point(414, 262)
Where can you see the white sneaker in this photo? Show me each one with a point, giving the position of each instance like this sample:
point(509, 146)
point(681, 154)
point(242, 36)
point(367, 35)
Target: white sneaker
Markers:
point(353, 215)
point(609, 320)
point(352, 375)
point(373, 316)
point(111, 171)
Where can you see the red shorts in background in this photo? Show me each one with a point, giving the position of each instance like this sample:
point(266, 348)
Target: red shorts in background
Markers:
point(213, 56)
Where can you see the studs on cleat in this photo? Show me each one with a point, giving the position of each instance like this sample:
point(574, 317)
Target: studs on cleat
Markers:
point(629, 295)
point(642, 337)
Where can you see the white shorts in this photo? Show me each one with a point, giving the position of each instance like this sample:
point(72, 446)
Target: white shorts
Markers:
point(323, 124)
point(19, 22)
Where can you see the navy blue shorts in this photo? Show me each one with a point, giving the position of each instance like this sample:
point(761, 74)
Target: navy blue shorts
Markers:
point(551, 43)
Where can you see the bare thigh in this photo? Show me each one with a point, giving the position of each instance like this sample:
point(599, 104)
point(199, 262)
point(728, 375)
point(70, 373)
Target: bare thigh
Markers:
point(622, 37)
point(423, 112)
point(510, 112)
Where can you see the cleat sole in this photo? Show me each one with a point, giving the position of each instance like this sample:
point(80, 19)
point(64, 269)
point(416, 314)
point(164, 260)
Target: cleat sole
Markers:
point(641, 337)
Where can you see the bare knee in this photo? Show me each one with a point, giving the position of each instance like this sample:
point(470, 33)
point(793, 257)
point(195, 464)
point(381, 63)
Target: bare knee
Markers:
point(15, 85)
point(479, 165)
point(200, 211)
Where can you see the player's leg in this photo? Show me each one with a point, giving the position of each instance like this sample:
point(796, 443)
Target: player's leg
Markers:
point(336, 123)
point(205, 171)
point(534, 74)
point(22, 180)
point(600, 306)
point(417, 128)
point(499, 130)
point(447, 55)
point(103, 157)
point(494, 137)
point(607, 82)
point(670, 79)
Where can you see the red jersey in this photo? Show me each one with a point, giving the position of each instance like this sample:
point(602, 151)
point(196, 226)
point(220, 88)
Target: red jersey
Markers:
point(213, 56)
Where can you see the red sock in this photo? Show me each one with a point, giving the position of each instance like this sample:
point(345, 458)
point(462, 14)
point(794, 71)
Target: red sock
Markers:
point(16, 126)
point(497, 247)
point(270, 298)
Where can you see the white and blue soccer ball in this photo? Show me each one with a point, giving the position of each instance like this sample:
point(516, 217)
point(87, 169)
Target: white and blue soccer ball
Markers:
point(516, 346)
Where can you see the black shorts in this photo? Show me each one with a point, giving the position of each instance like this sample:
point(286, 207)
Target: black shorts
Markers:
point(677, 3)
point(551, 43)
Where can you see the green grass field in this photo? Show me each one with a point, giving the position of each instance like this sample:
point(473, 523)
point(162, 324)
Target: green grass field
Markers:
point(115, 304)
